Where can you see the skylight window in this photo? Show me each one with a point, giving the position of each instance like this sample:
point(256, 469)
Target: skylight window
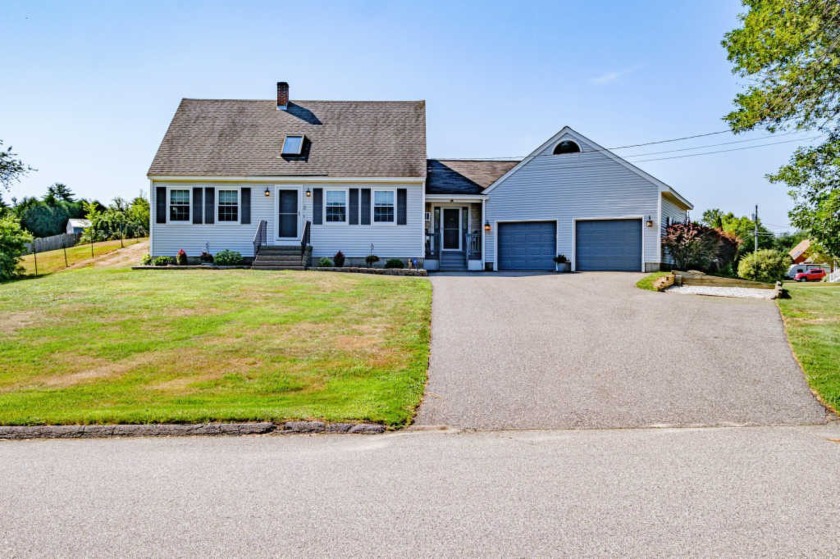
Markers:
point(293, 145)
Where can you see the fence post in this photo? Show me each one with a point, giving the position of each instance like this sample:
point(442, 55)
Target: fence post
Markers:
point(64, 248)
point(35, 255)
point(91, 242)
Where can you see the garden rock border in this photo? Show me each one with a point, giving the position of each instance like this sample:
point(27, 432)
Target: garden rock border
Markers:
point(379, 271)
point(14, 432)
point(190, 267)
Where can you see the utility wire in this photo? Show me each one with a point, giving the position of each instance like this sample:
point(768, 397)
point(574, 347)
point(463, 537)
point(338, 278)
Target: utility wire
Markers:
point(703, 135)
point(594, 163)
point(727, 150)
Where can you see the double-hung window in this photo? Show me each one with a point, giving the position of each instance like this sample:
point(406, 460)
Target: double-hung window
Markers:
point(179, 205)
point(383, 206)
point(228, 206)
point(336, 206)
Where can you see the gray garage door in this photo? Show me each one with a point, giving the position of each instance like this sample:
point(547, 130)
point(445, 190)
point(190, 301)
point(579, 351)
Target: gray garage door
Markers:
point(527, 246)
point(614, 244)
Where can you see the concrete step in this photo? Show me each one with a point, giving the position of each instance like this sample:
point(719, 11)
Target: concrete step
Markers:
point(272, 258)
point(279, 251)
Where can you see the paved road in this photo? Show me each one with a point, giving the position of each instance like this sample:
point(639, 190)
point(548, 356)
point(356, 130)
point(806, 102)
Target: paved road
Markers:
point(714, 492)
point(593, 351)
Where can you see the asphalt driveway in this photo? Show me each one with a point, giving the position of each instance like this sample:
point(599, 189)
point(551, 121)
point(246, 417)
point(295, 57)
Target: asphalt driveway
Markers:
point(593, 351)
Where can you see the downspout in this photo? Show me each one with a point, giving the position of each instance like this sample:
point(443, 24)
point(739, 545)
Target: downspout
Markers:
point(483, 234)
point(153, 218)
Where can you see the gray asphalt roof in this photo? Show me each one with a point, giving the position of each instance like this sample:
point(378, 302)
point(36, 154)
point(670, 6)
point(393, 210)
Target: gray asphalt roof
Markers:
point(464, 176)
point(209, 137)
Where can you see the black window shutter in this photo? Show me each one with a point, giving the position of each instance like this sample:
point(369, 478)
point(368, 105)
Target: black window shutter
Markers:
point(317, 206)
point(160, 204)
point(365, 206)
point(245, 201)
point(197, 205)
point(402, 203)
point(209, 205)
point(354, 206)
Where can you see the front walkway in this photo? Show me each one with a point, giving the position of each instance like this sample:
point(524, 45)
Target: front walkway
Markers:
point(593, 351)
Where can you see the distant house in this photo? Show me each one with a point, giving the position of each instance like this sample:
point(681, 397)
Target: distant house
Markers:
point(263, 177)
point(799, 253)
point(76, 226)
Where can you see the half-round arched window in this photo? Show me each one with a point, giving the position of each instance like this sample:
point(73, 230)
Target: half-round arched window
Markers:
point(566, 146)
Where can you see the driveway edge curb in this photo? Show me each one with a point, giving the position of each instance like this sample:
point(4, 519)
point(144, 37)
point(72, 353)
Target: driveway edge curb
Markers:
point(10, 432)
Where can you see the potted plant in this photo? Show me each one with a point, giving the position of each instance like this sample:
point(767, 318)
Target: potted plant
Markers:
point(562, 263)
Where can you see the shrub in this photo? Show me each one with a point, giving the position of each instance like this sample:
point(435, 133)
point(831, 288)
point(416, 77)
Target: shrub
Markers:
point(13, 241)
point(560, 259)
point(394, 263)
point(691, 245)
point(147, 260)
point(162, 261)
point(764, 265)
point(727, 253)
point(371, 259)
point(325, 263)
point(338, 259)
point(206, 257)
point(228, 258)
point(181, 259)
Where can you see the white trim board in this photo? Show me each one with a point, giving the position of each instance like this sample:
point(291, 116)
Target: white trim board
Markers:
point(276, 211)
point(455, 198)
point(289, 179)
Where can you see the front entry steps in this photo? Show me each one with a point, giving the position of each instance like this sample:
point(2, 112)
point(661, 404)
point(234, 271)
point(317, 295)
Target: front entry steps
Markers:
point(453, 261)
point(279, 258)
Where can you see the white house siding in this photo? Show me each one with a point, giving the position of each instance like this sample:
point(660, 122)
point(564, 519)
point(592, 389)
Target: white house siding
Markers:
point(402, 241)
point(566, 187)
point(670, 210)
point(671, 213)
point(389, 240)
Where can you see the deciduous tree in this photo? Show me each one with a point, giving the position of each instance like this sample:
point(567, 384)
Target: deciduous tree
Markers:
point(788, 51)
point(11, 168)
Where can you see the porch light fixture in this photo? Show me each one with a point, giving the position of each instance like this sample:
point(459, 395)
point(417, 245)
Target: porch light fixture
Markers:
point(487, 226)
point(649, 222)
point(308, 193)
point(267, 192)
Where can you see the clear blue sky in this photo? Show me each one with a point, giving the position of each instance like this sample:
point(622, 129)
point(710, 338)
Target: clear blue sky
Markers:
point(88, 89)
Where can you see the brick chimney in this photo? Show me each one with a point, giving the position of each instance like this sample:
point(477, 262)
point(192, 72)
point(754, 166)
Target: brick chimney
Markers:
point(282, 96)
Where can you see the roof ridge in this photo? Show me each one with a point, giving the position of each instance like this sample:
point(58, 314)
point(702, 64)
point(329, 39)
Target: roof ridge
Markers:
point(307, 100)
point(488, 159)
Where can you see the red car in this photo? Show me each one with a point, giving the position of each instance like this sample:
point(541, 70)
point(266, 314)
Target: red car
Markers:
point(814, 274)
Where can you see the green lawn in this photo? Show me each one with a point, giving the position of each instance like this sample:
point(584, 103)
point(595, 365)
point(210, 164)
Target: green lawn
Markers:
point(812, 321)
point(120, 346)
point(647, 281)
point(53, 261)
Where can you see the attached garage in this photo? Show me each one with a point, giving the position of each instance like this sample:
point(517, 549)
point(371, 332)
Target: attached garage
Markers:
point(527, 245)
point(608, 245)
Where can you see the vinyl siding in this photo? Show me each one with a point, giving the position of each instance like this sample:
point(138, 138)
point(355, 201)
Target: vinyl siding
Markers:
point(671, 210)
point(569, 187)
point(676, 214)
point(390, 241)
point(354, 240)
